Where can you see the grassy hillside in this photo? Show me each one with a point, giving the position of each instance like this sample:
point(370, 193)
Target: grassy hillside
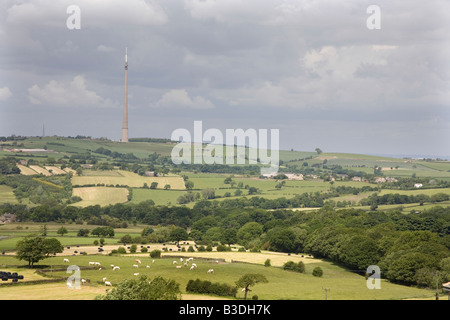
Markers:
point(124, 163)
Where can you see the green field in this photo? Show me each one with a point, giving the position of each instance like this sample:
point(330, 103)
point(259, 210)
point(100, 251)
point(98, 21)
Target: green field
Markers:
point(282, 284)
point(7, 195)
point(160, 197)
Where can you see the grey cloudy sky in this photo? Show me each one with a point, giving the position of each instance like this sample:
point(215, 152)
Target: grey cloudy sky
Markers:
point(311, 69)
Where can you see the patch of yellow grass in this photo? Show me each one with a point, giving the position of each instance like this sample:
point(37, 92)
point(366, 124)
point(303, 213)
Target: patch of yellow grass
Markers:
point(55, 170)
point(69, 170)
point(41, 170)
point(51, 291)
point(276, 259)
point(26, 171)
point(100, 195)
point(130, 179)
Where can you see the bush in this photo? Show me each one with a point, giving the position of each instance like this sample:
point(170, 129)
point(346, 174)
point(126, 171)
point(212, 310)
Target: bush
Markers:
point(121, 250)
point(267, 263)
point(155, 254)
point(222, 248)
point(207, 287)
point(317, 272)
point(292, 266)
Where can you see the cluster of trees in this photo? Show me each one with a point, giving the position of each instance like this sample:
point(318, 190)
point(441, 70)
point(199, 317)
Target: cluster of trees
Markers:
point(8, 166)
point(35, 248)
point(406, 247)
point(395, 198)
point(407, 183)
point(115, 154)
point(158, 288)
point(42, 190)
point(207, 287)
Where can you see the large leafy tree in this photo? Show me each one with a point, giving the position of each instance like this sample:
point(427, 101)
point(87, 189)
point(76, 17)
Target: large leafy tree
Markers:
point(250, 279)
point(35, 248)
point(178, 234)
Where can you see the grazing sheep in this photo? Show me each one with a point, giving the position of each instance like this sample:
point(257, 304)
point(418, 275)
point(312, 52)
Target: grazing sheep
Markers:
point(136, 274)
point(111, 265)
point(116, 267)
point(178, 267)
point(192, 268)
point(210, 270)
point(174, 262)
point(135, 265)
point(66, 260)
point(138, 261)
point(91, 263)
point(83, 281)
point(107, 283)
point(194, 265)
point(147, 266)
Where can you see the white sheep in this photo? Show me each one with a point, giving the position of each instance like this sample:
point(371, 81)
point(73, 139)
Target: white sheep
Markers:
point(111, 265)
point(210, 270)
point(83, 281)
point(192, 268)
point(174, 262)
point(107, 283)
point(194, 265)
point(147, 266)
point(116, 267)
point(104, 279)
point(138, 261)
point(153, 261)
point(66, 260)
point(135, 265)
point(136, 274)
point(178, 267)
point(91, 263)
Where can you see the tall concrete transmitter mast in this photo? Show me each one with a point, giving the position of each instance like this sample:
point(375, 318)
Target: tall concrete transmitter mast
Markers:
point(125, 104)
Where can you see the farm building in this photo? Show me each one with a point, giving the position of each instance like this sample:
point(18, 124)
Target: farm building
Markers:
point(29, 150)
point(7, 218)
point(294, 176)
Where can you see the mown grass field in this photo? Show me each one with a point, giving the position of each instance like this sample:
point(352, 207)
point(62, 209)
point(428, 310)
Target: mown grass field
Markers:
point(102, 196)
point(127, 178)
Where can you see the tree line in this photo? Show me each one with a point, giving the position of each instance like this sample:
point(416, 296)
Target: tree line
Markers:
point(409, 249)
